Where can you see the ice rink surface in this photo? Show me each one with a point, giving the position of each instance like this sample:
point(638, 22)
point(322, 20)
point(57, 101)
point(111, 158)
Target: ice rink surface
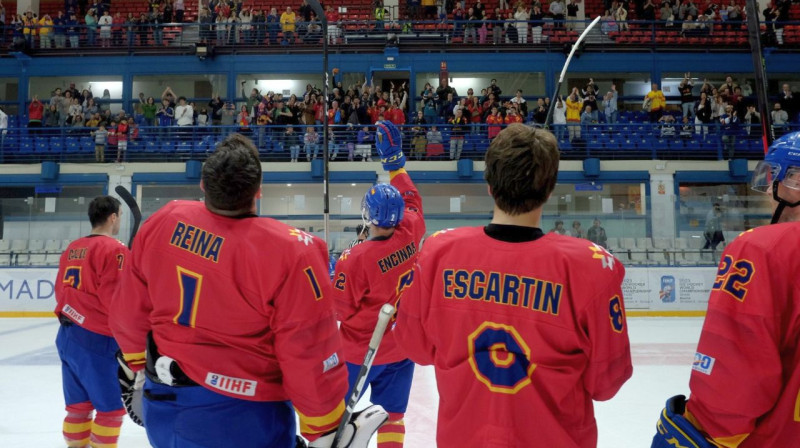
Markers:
point(31, 403)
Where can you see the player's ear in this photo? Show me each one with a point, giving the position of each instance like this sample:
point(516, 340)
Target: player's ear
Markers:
point(258, 193)
point(489, 190)
point(202, 186)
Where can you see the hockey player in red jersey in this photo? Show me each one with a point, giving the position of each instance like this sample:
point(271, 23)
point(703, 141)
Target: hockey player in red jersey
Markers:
point(523, 329)
point(88, 274)
point(745, 387)
point(374, 273)
point(236, 317)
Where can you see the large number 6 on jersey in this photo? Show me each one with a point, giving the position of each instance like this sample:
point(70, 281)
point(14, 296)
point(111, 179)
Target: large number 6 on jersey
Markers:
point(500, 358)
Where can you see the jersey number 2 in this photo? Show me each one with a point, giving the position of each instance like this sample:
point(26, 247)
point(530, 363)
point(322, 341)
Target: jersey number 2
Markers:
point(733, 277)
point(190, 284)
point(500, 358)
point(72, 276)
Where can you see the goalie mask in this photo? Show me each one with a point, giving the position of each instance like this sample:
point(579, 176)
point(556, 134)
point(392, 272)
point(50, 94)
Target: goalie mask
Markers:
point(383, 206)
point(781, 166)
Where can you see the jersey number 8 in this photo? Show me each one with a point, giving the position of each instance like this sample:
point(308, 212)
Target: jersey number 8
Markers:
point(500, 358)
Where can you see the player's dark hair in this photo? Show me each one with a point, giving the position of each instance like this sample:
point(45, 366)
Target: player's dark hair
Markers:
point(521, 168)
point(232, 175)
point(101, 208)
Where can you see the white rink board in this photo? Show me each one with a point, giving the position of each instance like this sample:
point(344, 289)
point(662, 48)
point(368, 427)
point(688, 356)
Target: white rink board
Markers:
point(27, 290)
point(659, 289)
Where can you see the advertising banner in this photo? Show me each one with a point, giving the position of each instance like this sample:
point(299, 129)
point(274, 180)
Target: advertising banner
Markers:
point(27, 291)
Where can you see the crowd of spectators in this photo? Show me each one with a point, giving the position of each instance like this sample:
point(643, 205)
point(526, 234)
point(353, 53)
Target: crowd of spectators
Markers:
point(441, 116)
point(230, 22)
point(90, 24)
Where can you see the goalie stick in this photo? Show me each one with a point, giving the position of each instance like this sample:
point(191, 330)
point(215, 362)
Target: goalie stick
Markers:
point(130, 201)
point(575, 47)
point(386, 313)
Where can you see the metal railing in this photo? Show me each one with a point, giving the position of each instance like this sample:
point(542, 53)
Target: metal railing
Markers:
point(235, 36)
point(644, 141)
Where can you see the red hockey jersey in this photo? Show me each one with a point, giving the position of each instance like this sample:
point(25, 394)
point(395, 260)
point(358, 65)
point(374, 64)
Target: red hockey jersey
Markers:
point(88, 274)
point(242, 304)
point(372, 273)
point(745, 380)
point(523, 336)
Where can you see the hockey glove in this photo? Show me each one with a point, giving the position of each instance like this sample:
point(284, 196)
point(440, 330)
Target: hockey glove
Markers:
point(357, 432)
point(389, 142)
point(673, 429)
point(130, 384)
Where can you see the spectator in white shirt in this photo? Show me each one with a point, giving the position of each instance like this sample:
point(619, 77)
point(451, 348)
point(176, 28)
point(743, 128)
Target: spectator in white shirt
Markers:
point(184, 114)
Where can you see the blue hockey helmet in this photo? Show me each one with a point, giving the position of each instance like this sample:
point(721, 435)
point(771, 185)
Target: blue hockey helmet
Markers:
point(383, 206)
point(781, 165)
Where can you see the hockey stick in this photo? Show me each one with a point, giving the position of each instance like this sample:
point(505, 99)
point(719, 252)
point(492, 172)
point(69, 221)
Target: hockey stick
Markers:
point(326, 211)
point(135, 211)
point(760, 72)
point(575, 47)
point(387, 311)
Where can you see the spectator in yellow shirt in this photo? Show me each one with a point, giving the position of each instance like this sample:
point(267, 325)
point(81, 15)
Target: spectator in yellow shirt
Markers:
point(574, 105)
point(288, 20)
point(45, 31)
point(654, 103)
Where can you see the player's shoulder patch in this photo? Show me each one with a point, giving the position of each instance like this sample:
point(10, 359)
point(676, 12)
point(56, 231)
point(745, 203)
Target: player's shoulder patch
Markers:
point(602, 255)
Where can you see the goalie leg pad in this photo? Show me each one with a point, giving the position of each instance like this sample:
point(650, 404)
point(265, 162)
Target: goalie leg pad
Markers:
point(358, 431)
point(674, 430)
point(130, 384)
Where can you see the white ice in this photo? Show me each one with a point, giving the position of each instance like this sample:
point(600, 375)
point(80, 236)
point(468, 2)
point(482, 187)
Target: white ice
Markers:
point(31, 403)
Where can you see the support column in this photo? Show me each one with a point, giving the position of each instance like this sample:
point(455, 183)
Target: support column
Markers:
point(127, 182)
point(27, 5)
point(662, 205)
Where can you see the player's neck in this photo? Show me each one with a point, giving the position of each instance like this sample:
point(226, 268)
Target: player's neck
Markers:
point(103, 230)
point(531, 219)
point(376, 231)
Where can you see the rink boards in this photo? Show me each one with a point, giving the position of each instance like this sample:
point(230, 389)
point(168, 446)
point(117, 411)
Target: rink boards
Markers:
point(648, 291)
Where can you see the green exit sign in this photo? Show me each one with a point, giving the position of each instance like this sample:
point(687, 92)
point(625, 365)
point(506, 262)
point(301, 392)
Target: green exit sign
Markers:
point(389, 65)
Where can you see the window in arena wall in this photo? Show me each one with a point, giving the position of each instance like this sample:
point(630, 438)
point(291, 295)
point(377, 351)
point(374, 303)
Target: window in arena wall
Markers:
point(621, 208)
point(98, 86)
point(630, 86)
point(531, 83)
point(286, 84)
point(46, 212)
point(9, 94)
point(740, 208)
point(198, 88)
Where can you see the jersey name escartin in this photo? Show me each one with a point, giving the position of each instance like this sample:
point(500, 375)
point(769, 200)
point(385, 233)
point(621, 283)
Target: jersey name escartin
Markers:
point(197, 241)
point(503, 289)
point(397, 258)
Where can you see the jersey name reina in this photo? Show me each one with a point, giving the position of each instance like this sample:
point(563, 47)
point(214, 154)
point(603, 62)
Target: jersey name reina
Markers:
point(236, 302)
point(372, 274)
point(532, 331)
point(88, 274)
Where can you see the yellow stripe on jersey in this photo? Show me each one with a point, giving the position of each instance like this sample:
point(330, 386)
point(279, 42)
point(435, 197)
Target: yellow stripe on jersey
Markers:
point(722, 442)
point(105, 431)
point(134, 358)
point(393, 174)
point(321, 424)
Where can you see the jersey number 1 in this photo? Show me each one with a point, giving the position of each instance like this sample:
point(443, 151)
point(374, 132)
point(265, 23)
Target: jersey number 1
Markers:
point(190, 284)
